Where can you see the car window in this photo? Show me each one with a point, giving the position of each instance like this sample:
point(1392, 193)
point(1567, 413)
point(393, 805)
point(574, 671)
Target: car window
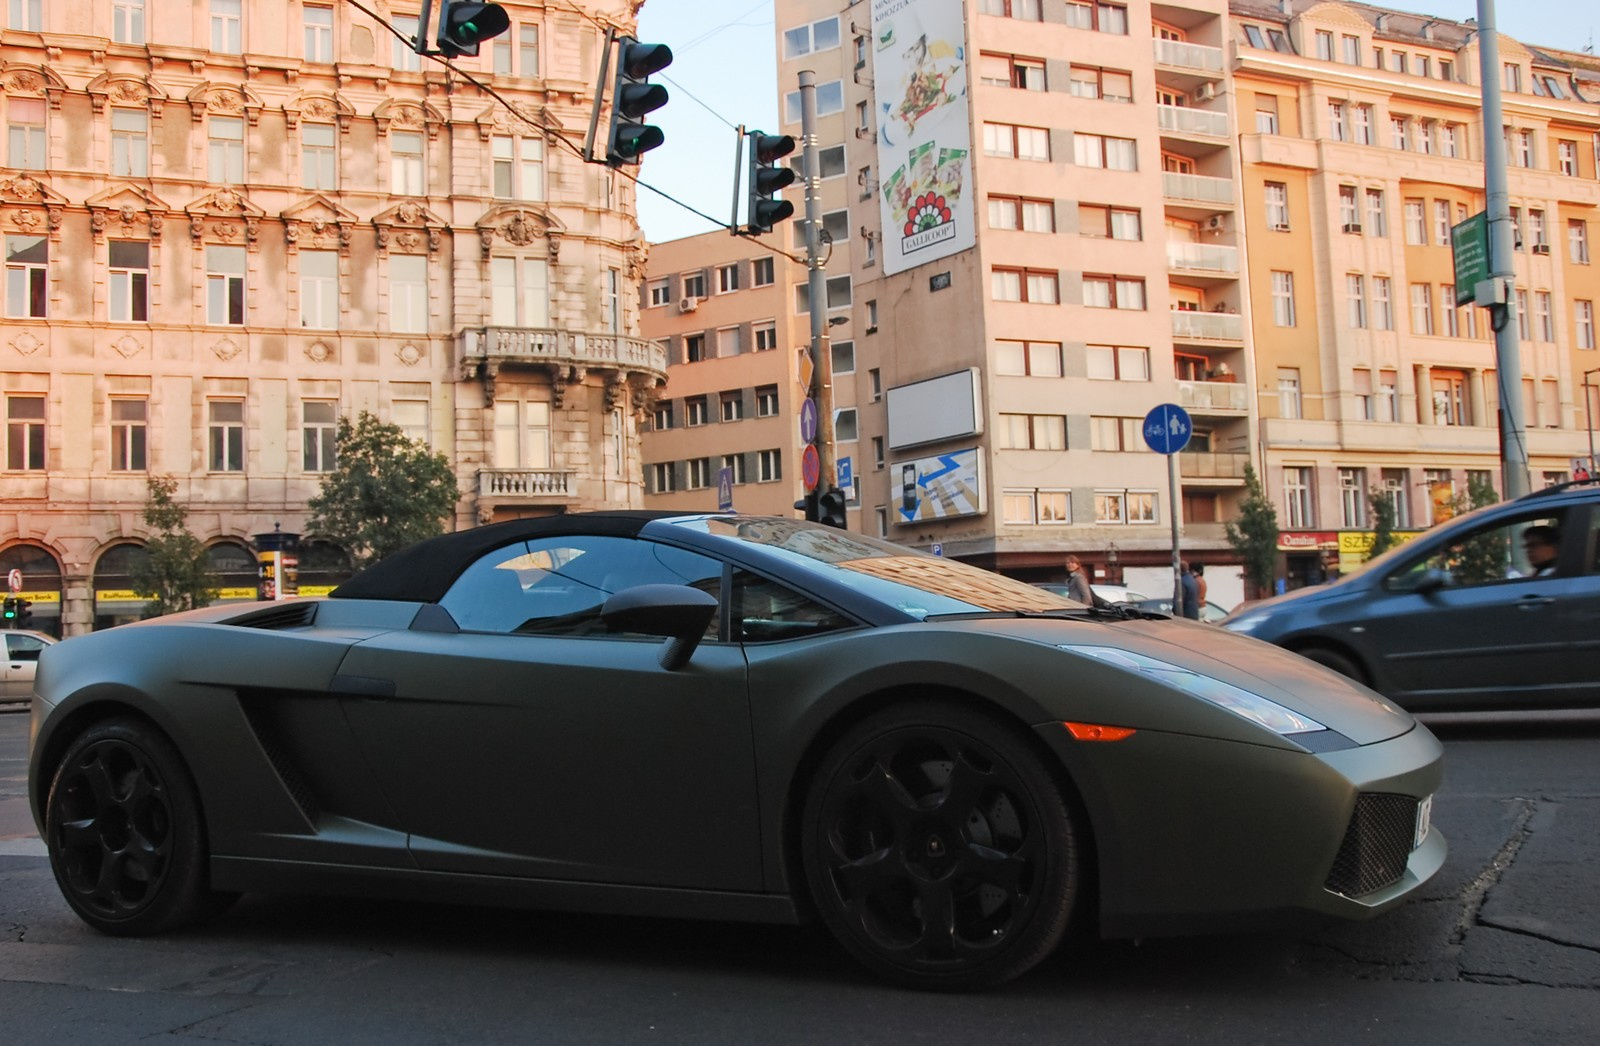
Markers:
point(1507, 549)
point(24, 648)
point(769, 611)
point(557, 585)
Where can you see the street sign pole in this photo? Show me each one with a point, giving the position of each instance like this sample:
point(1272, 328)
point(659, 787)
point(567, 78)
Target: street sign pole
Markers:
point(1167, 429)
point(1172, 513)
point(817, 284)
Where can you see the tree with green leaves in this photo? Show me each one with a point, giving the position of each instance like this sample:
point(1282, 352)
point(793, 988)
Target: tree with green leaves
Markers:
point(1383, 520)
point(1255, 537)
point(1486, 557)
point(386, 491)
point(174, 575)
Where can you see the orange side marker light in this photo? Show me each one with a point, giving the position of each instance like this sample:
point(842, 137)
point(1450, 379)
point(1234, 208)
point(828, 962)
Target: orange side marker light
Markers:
point(1099, 731)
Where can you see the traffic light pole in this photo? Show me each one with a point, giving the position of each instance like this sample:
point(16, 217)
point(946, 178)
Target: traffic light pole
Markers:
point(817, 283)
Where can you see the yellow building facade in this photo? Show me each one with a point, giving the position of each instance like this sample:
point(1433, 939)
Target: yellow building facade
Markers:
point(229, 223)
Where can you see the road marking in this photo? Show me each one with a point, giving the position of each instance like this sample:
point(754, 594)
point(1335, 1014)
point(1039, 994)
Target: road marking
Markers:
point(23, 846)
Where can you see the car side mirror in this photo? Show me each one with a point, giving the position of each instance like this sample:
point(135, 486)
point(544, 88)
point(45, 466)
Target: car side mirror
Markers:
point(678, 612)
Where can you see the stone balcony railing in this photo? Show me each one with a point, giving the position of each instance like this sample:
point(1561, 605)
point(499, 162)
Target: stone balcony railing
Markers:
point(521, 484)
point(1207, 397)
point(555, 345)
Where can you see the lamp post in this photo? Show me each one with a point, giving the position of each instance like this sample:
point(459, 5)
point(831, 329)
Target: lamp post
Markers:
point(1588, 414)
point(1113, 576)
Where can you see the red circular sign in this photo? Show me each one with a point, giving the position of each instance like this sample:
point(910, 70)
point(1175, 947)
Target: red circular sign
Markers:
point(810, 466)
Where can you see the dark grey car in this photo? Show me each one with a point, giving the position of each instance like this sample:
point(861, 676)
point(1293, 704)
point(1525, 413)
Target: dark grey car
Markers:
point(1461, 618)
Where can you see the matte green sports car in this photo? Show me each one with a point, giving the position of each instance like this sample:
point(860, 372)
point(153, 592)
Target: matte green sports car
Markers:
point(731, 718)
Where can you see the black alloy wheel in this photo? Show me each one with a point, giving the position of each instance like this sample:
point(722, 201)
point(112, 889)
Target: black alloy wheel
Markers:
point(939, 848)
point(123, 830)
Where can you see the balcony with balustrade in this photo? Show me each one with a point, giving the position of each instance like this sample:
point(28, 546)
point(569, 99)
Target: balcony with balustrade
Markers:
point(1207, 329)
point(1204, 264)
point(1187, 65)
point(565, 356)
point(1214, 398)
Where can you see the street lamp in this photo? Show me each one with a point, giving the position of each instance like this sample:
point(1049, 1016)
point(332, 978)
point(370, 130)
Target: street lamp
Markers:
point(1588, 414)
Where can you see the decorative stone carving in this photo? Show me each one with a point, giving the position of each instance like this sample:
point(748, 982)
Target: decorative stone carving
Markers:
point(128, 346)
point(17, 78)
point(224, 100)
point(407, 115)
point(318, 223)
point(410, 227)
point(26, 343)
point(128, 205)
point(226, 349)
point(318, 108)
point(519, 225)
point(319, 352)
point(409, 355)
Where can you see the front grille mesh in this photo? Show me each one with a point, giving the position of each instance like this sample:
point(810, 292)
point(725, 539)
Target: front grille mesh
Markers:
point(1376, 845)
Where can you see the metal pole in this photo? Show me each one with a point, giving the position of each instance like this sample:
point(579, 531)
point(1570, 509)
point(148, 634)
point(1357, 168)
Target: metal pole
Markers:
point(599, 95)
point(738, 155)
point(1172, 513)
point(817, 283)
point(1588, 415)
point(1502, 268)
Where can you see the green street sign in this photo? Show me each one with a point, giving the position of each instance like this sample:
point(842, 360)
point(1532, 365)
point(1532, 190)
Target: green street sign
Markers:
point(1469, 247)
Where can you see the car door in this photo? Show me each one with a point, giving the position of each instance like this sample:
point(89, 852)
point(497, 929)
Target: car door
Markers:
point(22, 661)
point(1468, 624)
point(535, 743)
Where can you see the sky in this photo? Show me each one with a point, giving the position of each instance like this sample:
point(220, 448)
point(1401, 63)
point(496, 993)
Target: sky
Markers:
point(724, 68)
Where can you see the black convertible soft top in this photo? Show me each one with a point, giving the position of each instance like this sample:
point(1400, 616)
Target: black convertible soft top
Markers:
point(423, 572)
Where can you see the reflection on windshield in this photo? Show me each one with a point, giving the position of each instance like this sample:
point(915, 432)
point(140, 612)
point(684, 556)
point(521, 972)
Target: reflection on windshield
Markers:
point(914, 582)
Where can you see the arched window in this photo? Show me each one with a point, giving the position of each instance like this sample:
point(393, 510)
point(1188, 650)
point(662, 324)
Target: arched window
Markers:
point(115, 602)
point(235, 568)
point(41, 584)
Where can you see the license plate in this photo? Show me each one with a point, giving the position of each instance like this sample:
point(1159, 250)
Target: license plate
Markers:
point(1424, 818)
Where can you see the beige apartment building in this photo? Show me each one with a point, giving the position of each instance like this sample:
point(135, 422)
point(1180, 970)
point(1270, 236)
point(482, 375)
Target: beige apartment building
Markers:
point(228, 223)
point(719, 307)
point(1362, 145)
point(1035, 240)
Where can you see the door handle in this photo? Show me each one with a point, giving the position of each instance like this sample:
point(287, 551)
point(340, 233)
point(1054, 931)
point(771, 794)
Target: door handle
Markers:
point(1533, 602)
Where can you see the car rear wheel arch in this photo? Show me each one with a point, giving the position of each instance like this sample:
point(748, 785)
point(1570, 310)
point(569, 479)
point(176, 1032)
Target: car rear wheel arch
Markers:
point(1336, 656)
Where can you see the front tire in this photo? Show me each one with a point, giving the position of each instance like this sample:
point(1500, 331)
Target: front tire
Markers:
point(939, 848)
point(124, 832)
point(1336, 661)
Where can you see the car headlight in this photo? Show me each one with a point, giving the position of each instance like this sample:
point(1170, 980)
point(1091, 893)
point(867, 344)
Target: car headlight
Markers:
point(1253, 707)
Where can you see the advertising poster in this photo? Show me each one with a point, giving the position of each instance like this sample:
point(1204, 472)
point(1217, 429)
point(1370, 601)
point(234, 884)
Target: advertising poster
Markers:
point(924, 133)
point(943, 486)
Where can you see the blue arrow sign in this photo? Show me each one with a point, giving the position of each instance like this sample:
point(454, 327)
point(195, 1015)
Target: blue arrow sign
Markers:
point(808, 421)
point(843, 470)
point(1167, 428)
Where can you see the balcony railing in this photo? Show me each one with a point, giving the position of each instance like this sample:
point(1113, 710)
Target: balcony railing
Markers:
point(1200, 187)
point(1204, 396)
point(1203, 256)
point(524, 483)
point(1200, 464)
point(1176, 54)
point(542, 344)
point(1207, 326)
point(1182, 119)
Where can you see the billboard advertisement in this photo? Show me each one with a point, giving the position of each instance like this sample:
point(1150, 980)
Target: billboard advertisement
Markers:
point(943, 486)
point(924, 133)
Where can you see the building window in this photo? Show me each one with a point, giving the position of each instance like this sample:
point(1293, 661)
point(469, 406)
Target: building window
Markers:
point(1382, 304)
point(695, 412)
point(734, 463)
point(877, 453)
point(319, 289)
point(661, 478)
point(1005, 70)
point(318, 33)
point(728, 342)
point(839, 294)
point(1125, 506)
point(1037, 359)
point(225, 286)
point(1355, 291)
point(1101, 17)
point(412, 417)
point(1450, 403)
point(25, 137)
point(1388, 397)
point(1113, 292)
point(1283, 299)
point(1352, 49)
point(1583, 320)
point(1396, 488)
point(1513, 78)
point(1336, 123)
point(519, 292)
point(225, 27)
point(700, 474)
point(225, 435)
point(661, 420)
point(1289, 392)
point(1578, 241)
point(1110, 85)
point(401, 57)
point(1015, 142)
point(1025, 285)
point(694, 348)
point(1537, 231)
point(769, 466)
point(518, 167)
point(1377, 216)
point(408, 294)
point(127, 21)
point(658, 293)
point(1117, 434)
point(762, 272)
point(225, 149)
point(1297, 496)
point(613, 300)
point(1324, 45)
point(694, 284)
point(1567, 158)
point(319, 435)
point(1400, 132)
point(27, 272)
point(1277, 199)
point(1024, 9)
point(1449, 144)
point(1033, 432)
point(1361, 382)
point(1524, 326)
point(830, 100)
point(1361, 124)
point(1543, 316)
point(844, 357)
point(1349, 216)
point(1016, 212)
point(821, 35)
point(130, 143)
point(1353, 497)
point(765, 336)
point(731, 406)
point(845, 428)
point(1115, 223)
point(318, 156)
point(727, 278)
point(1421, 308)
point(129, 289)
point(25, 433)
point(767, 401)
point(1441, 222)
point(522, 434)
point(1097, 150)
point(407, 167)
point(1018, 507)
point(1447, 310)
point(1416, 224)
point(1118, 363)
point(129, 435)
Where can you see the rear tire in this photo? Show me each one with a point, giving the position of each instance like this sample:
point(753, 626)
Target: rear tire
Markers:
point(124, 832)
point(939, 848)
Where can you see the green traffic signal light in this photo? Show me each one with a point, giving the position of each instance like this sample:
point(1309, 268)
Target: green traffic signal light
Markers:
point(766, 178)
point(11, 608)
point(463, 26)
point(632, 98)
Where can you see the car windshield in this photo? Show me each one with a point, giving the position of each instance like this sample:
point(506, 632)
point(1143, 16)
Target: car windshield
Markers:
point(913, 582)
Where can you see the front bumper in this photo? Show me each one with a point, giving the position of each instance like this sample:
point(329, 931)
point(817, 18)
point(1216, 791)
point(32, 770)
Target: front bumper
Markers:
point(1193, 834)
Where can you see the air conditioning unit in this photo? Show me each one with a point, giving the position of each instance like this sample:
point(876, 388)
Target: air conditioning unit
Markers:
point(689, 304)
point(1541, 248)
point(1205, 92)
point(1353, 227)
point(1215, 223)
point(1280, 227)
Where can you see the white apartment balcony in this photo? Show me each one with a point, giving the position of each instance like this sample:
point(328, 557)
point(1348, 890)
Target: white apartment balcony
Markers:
point(1203, 262)
point(525, 484)
point(1185, 120)
point(1207, 328)
point(1208, 469)
point(1190, 67)
point(1214, 193)
point(1226, 398)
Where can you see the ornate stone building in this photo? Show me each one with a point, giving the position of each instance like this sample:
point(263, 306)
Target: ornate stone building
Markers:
point(228, 223)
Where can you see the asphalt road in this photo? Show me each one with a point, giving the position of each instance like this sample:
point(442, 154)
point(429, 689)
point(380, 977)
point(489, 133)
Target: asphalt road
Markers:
point(1504, 947)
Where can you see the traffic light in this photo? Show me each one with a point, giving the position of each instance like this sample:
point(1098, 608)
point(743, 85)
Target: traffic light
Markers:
point(807, 506)
point(831, 508)
point(766, 178)
point(11, 609)
point(24, 612)
point(633, 96)
point(462, 27)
